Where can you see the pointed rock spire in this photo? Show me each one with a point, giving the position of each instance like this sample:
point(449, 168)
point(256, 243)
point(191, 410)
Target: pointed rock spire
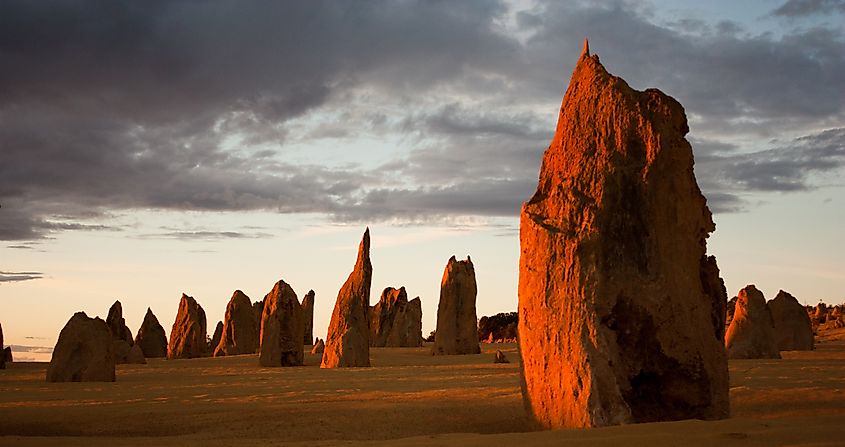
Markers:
point(586, 50)
point(613, 264)
point(348, 338)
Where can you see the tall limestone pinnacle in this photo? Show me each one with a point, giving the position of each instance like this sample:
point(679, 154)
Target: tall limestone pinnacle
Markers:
point(621, 311)
point(348, 337)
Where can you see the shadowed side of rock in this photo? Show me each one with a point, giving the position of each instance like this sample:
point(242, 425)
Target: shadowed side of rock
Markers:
point(282, 326)
point(84, 352)
point(125, 350)
point(395, 321)
point(308, 316)
point(151, 337)
point(239, 334)
point(793, 328)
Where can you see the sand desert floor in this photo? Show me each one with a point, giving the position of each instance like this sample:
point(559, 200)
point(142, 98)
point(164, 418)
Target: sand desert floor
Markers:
point(407, 398)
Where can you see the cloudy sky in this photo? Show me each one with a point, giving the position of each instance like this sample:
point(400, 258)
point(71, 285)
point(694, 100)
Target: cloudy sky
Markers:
point(153, 148)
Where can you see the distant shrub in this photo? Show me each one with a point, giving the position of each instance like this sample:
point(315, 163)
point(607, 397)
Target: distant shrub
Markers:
point(502, 326)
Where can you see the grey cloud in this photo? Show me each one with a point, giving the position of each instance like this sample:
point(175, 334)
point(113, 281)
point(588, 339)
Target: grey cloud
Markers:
point(19, 276)
point(113, 105)
point(786, 167)
point(801, 8)
point(206, 235)
point(723, 79)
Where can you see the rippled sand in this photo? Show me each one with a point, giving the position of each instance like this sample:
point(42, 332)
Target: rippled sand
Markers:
point(407, 398)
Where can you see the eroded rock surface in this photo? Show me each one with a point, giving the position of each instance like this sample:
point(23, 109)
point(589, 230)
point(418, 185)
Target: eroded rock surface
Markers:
point(187, 337)
point(751, 334)
point(122, 337)
point(239, 334)
point(621, 314)
point(348, 337)
point(457, 324)
point(84, 352)
point(308, 316)
point(793, 328)
point(395, 321)
point(282, 326)
point(151, 337)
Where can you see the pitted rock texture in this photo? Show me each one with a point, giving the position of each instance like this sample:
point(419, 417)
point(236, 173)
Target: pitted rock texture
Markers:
point(621, 312)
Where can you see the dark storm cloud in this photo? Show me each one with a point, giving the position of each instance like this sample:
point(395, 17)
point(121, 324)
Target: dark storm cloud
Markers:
point(109, 105)
point(800, 8)
point(19, 276)
point(118, 105)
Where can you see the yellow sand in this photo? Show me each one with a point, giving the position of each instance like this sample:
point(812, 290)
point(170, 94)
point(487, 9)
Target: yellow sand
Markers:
point(407, 398)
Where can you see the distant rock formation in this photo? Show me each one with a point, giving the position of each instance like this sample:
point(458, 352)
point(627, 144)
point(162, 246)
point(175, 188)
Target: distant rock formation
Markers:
point(135, 356)
point(751, 334)
point(239, 332)
point(117, 324)
point(151, 337)
point(187, 337)
point(215, 338)
point(83, 353)
point(395, 321)
point(282, 326)
point(820, 315)
point(793, 328)
point(731, 307)
point(3, 357)
point(620, 312)
point(500, 357)
point(308, 316)
point(413, 320)
point(348, 338)
point(319, 347)
point(457, 330)
point(122, 337)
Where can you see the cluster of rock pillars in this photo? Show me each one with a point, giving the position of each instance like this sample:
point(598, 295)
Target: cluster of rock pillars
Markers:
point(622, 313)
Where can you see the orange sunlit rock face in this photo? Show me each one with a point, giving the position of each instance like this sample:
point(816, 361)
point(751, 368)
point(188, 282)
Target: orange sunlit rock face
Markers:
point(348, 338)
point(187, 337)
point(621, 313)
point(751, 334)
